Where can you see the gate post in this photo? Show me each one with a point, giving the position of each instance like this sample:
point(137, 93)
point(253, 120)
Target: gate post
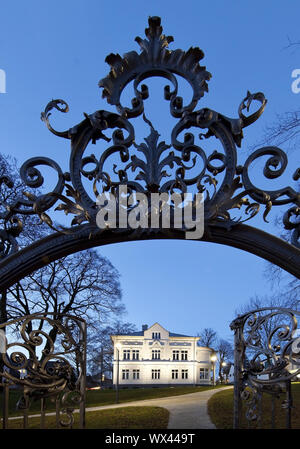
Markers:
point(238, 361)
point(83, 376)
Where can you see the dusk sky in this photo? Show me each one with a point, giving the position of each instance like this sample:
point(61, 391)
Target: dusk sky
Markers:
point(57, 50)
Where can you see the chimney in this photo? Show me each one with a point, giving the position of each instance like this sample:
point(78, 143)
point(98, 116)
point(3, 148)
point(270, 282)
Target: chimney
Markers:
point(144, 327)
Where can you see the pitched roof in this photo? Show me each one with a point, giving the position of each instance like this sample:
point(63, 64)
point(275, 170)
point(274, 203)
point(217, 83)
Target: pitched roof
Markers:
point(141, 334)
point(172, 334)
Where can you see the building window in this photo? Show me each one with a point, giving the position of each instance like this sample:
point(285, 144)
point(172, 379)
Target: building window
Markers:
point(184, 355)
point(175, 355)
point(135, 354)
point(174, 373)
point(126, 354)
point(203, 373)
point(184, 374)
point(156, 335)
point(156, 374)
point(155, 354)
point(136, 374)
point(125, 374)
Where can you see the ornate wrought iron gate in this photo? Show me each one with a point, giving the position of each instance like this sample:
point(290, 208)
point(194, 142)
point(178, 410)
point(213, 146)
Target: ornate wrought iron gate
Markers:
point(43, 359)
point(208, 147)
point(267, 359)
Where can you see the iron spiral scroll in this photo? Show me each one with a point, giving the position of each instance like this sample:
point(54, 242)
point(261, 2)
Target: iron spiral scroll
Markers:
point(154, 165)
point(267, 348)
point(43, 359)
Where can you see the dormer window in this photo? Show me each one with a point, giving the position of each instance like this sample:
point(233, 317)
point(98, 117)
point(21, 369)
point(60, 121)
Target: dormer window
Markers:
point(156, 335)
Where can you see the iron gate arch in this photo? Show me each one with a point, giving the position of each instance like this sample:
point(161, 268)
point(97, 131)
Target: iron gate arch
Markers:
point(234, 191)
point(143, 168)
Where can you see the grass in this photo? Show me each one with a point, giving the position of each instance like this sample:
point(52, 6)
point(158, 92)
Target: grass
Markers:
point(220, 409)
point(107, 397)
point(120, 418)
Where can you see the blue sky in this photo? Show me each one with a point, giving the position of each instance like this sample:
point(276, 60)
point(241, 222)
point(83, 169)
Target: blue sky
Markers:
point(57, 50)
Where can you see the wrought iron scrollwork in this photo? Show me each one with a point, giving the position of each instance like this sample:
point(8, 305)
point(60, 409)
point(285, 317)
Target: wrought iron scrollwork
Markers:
point(46, 361)
point(270, 356)
point(185, 163)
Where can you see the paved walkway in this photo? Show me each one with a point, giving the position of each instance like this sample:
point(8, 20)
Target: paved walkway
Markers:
point(187, 411)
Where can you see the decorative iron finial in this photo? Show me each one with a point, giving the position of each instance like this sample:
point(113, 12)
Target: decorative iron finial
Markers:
point(155, 59)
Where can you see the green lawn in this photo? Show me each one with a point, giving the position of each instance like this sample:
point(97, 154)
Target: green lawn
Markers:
point(220, 409)
point(107, 397)
point(120, 418)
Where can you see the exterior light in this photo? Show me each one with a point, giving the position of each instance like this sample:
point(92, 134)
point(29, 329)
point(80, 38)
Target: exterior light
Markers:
point(213, 359)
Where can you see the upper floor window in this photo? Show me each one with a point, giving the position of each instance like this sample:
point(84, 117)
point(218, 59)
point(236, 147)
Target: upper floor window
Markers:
point(135, 354)
point(126, 354)
point(184, 355)
point(155, 354)
point(156, 335)
point(175, 355)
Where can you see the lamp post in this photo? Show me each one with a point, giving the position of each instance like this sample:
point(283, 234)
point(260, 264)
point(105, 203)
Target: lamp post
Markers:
point(118, 345)
point(213, 359)
point(223, 371)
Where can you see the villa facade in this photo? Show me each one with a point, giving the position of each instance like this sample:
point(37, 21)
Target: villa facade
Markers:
point(155, 356)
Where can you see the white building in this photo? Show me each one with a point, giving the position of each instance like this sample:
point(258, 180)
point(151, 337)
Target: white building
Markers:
point(155, 356)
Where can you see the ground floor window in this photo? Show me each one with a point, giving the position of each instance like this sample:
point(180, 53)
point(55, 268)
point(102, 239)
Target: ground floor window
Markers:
point(184, 374)
point(203, 373)
point(136, 374)
point(156, 374)
point(125, 374)
point(174, 373)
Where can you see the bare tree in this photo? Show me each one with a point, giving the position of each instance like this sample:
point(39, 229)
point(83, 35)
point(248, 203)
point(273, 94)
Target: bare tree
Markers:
point(225, 353)
point(100, 347)
point(275, 300)
point(208, 337)
point(85, 285)
point(284, 130)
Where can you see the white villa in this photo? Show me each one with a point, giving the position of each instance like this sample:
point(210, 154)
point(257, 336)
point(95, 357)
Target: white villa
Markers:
point(155, 356)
